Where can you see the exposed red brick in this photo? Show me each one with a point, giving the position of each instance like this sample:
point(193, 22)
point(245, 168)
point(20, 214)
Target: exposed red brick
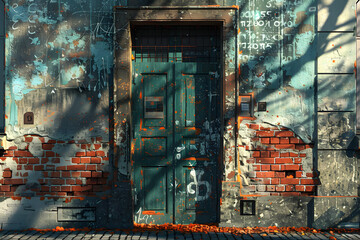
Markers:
point(23, 161)
point(265, 174)
point(91, 154)
point(280, 188)
point(274, 154)
point(97, 146)
point(90, 167)
point(8, 153)
point(29, 167)
point(302, 155)
point(22, 154)
point(70, 181)
point(265, 140)
point(280, 174)
point(13, 181)
point(250, 161)
point(100, 153)
point(300, 147)
point(39, 168)
point(65, 174)
point(285, 154)
point(61, 168)
point(57, 181)
point(285, 146)
point(290, 194)
point(7, 174)
point(284, 134)
point(256, 154)
point(265, 160)
point(86, 174)
point(294, 140)
point(310, 181)
point(275, 181)
point(265, 133)
point(298, 174)
point(274, 194)
point(284, 140)
point(95, 160)
point(75, 160)
point(289, 181)
point(310, 188)
point(33, 160)
point(300, 188)
point(75, 174)
point(297, 160)
point(80, 154)
point(270, 188)
point(265, 167)
point(283, 160)
point(274, 140)
point(45, 189)
point(44, 160)
point(96, 174)
point(265, 154)
point(13, 148)
point(55, 188)
point(5, 188)
point(55, 174)
point(289, 188)
point(76, 167)
point(275, 168)
point(28, 139)
point(290, 167)
point(85, 160)
point(91, 181)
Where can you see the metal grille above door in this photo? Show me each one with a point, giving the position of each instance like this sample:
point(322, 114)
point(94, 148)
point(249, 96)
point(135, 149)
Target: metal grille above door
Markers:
point(169, 43)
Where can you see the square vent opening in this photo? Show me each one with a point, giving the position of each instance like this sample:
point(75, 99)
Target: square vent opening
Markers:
point(247, 207)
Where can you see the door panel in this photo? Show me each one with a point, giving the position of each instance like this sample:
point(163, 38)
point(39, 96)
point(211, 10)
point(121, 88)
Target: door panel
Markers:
point(152, 107)
point(176, 121)
point(197, 137)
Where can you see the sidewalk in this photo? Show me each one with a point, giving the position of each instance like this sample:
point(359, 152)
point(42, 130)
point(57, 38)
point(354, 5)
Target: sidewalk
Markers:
point(165, 235)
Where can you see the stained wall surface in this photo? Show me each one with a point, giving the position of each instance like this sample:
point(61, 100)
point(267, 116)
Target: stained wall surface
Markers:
point(297, 159)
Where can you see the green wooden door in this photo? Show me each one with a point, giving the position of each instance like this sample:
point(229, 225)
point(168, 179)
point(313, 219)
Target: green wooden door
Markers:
point(176, 122)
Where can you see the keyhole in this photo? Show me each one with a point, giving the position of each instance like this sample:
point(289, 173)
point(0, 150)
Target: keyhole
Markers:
point(29, 118)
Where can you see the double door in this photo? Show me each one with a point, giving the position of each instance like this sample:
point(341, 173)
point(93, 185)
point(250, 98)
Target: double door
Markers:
point(176, 145)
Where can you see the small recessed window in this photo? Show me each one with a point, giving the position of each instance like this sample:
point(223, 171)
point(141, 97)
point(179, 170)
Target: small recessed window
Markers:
point(154, 107)
point(247, 207)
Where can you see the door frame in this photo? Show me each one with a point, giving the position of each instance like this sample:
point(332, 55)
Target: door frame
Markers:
point(125, 17)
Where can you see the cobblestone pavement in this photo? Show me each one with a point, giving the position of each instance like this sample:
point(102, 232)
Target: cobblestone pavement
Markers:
point(165, 235)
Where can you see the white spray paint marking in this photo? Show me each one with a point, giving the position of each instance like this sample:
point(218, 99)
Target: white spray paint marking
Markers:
point(197, 175)
point(139, 217)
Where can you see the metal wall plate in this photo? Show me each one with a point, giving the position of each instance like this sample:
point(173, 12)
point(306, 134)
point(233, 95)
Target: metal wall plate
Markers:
point(29, 118)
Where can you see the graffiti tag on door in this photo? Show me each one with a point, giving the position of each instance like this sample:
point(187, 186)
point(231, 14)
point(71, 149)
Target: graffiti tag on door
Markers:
point(196, 175)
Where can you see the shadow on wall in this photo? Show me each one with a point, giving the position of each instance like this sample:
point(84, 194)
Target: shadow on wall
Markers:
point(33, 216)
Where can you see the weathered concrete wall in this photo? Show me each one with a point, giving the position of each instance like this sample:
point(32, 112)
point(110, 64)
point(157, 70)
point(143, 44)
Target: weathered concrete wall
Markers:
point(298, 159)
point(338, 160)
